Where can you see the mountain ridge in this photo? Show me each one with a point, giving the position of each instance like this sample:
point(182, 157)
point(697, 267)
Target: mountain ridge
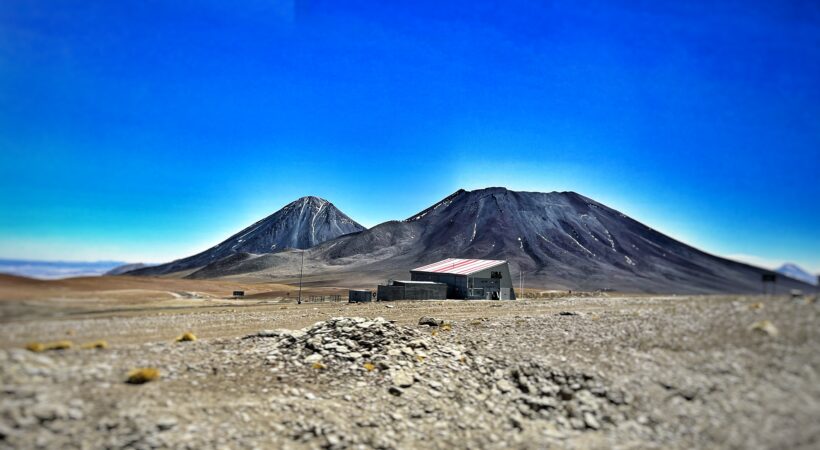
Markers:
point(302, 223)
point(559, 240)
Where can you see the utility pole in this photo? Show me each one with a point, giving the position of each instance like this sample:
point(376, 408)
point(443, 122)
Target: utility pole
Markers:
point(301, 267)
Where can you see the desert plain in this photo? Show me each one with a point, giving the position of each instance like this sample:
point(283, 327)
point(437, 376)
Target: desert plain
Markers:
point(586, 370)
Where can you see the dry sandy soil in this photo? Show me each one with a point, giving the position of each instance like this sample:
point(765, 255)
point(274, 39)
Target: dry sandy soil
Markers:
point(596, 372)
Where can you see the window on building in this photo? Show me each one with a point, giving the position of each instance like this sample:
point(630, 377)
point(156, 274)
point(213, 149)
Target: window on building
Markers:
point(495, 275)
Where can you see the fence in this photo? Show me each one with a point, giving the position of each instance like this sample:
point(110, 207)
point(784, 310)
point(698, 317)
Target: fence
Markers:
point(322, 298)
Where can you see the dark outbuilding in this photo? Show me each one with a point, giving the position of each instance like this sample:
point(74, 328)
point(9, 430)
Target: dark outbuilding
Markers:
point(359, 296)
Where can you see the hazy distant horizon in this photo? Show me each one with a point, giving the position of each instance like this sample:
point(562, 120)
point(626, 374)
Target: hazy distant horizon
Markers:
point(50, 270)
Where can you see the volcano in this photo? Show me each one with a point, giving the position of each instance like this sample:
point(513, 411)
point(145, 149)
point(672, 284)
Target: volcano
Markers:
point(301, 224)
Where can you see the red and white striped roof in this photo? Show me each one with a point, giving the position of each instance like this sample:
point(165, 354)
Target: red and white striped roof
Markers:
point(460, 266)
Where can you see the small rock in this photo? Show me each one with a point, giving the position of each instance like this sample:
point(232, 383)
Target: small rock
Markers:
point(765, 327)
point(577, 423)
point(504, 385)
point(48, 412)
point(395, 390)
point(75, 414)
point(591, 421)
point(402, 378)
point(166, 423)
point(430, 321)
point(314, 358)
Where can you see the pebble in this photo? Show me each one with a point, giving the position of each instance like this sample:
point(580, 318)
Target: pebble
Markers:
point(166, 423)
point(591, 421)
point(316, 357)
point(402, 378)
point(504, 385)
point(430, 321)
point(395, 390)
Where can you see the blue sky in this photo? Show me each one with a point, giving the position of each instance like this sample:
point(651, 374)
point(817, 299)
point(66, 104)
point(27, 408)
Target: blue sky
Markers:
point(147, 131)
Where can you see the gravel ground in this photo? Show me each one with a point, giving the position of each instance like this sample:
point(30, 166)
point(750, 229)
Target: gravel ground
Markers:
point(686, 372)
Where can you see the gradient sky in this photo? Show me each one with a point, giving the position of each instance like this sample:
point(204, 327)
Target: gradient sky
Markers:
point(148, 130)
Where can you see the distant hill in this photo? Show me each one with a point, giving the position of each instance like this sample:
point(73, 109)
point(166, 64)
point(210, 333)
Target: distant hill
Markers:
point(119, 270)
point(301, 224)
point(559, 240)
point(55, 269)
point(796, 272)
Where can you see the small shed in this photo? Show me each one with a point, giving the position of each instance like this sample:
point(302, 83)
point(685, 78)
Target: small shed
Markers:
point(359, 296)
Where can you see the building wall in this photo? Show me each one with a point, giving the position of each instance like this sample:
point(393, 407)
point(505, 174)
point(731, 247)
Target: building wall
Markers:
point(456, 284)
point(484, 279)
point(357, 296)
point(412, 292)
point(389, 293)
point(425, 292)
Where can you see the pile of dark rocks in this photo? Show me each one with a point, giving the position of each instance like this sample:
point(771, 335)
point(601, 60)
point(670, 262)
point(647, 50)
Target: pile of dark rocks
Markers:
point(348, 343)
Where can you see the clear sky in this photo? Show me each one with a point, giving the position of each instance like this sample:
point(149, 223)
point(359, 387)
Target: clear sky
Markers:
point(149, 130)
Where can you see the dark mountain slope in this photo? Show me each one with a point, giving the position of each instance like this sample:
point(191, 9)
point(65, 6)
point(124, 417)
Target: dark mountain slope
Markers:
point(560, 240)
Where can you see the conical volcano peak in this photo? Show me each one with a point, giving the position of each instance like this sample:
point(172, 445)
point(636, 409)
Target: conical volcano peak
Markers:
point(302, 223)
point(308, 200)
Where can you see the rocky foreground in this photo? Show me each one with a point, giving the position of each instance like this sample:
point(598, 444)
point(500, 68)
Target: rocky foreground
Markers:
point(671, 373)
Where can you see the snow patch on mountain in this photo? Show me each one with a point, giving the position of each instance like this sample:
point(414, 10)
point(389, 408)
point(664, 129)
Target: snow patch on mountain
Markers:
point(798, 273)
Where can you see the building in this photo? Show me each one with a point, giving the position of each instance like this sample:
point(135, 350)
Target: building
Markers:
point(359, 296)
point(469, 278)
point(412, 290)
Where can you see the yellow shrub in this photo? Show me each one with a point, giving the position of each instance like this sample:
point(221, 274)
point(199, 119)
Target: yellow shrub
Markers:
point(369, 366)
point(101, 344)
point(446, 327)
point(40, 347)
point(59, 345)
point(36, 347)
point(318, 366)
point(142, 375)
point(187, 337)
